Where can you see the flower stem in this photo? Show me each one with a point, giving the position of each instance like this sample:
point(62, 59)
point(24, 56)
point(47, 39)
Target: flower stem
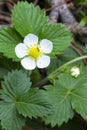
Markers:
point(54, 74)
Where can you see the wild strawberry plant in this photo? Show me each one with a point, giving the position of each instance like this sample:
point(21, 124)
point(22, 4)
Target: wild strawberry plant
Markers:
point(42, 78)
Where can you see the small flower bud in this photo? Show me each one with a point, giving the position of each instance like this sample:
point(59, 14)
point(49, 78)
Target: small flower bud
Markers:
point(75, 71)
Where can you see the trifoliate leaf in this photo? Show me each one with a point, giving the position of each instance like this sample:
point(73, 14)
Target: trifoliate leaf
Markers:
point(28, 19)
point(61, 102)
point(10, 119)
point(33, 104)
point(59, 35)
point(9, 38)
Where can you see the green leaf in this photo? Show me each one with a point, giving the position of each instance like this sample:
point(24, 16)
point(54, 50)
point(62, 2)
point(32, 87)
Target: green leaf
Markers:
point(77, 91)
point(9, 38)
point(7, 65)
point(28, 19)
point(69, 54)
point(74, 124)
point(61, 102)
point(79, 97)
point(10, 119)
point(34, 104)
point(15, 85)
point(17, 98)
point(67, 94)
point(59, 35)
point(53, 65)
point(3, 72)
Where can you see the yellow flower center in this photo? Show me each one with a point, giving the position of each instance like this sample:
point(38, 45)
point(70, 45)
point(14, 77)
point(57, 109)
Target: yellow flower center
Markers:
point(34, 52)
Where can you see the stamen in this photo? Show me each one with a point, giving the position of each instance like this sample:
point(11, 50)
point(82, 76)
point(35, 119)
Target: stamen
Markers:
point(34, 52)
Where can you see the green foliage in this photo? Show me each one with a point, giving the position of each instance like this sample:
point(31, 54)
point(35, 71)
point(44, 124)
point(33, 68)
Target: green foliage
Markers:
point(7, 65)
point(61, 102)
point(83, 21)
point(18, 98)
point(10, 119)
point(15, 85)
point(82, 5)
point(9, 38)
point(73, 124)
point(55, 102)
point(59, 35)
point(67, 55)
point(67, 94)
point(53, 65)
point(79, 98)
point(36, 22)
point(81, 2)
point(34, 104)
point(28, 19)
point(32, 20)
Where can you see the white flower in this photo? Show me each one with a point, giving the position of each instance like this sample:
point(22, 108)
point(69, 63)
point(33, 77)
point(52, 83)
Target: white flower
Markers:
point(75, 71)
point(34, 54)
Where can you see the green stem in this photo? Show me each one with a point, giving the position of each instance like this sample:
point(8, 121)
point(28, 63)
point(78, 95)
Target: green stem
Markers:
point(54, 74)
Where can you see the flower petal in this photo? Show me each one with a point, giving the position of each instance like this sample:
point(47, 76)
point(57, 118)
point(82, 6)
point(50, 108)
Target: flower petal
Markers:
point(43, 61)
point(46, 46)
point(30, 40)
point(21, 50)
point(28, 63)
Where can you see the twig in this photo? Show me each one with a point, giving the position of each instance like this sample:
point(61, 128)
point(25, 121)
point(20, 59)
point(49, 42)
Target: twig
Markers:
point(68, 19)
point(76, 50)
point(79, 53)
point(57, 5)
point(76, 29)
point(5, 18)
point(54, 6)
point(10, 5)
point(4, 13)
